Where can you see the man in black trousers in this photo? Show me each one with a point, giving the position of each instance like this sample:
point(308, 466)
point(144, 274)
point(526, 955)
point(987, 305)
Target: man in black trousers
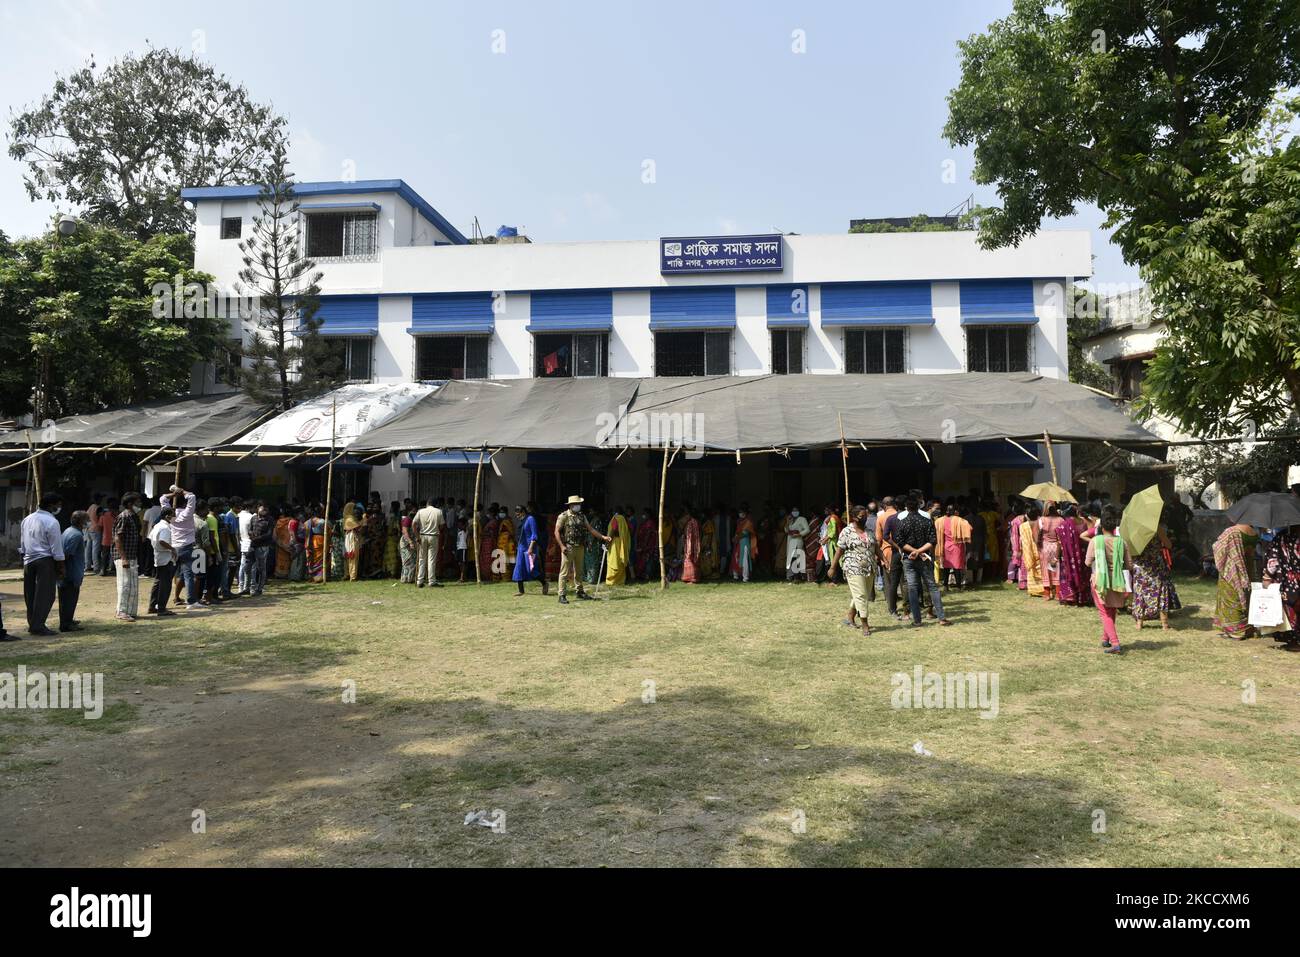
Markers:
point(42, 550)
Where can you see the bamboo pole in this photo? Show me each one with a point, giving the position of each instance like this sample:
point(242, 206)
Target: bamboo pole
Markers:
point(663, 483)
point(1051, 458)
point(36, 473)
point(180, 455)
point(329, 493)
point(29, 458)
point(478, 481)
point(844, 460)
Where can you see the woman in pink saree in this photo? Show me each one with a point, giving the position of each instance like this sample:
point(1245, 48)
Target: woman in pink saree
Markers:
point(690, 548)
point(1073, 586)
point(1015, 573)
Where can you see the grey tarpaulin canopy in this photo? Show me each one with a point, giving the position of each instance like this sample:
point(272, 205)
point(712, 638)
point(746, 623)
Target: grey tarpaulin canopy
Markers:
point(190, 422)
point(750, 413)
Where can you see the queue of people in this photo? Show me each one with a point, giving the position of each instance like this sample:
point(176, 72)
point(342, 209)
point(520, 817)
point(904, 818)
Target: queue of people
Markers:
point(909, 549)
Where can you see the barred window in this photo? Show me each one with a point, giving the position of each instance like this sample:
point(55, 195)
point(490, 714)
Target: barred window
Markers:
point(692, 353)
point(354, 355)
point(451, 357)
point(875, 350)
point(232, 227)
point(787, 351)
point(339, 235)
point(997, 348)
point(567, 355)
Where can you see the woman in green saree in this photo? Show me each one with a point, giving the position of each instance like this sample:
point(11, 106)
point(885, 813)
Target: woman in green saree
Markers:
point(1234, 557)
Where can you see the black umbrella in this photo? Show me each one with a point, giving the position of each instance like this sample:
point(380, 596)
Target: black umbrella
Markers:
point(1266, 510)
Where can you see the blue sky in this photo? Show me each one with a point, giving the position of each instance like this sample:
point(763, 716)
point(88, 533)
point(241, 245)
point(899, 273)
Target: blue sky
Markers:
point(552, 134)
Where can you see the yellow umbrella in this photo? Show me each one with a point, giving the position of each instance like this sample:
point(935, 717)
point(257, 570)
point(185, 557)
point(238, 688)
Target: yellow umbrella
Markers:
point(1137, 526)
point(1048, 492)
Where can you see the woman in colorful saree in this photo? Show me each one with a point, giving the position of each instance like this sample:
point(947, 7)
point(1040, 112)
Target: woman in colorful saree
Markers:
point(283, 538)
point(506, 545)
point(744, 553)
point(1234, 557)
point(407, 547)
point(1108, 560)
point(315, 542)
point(489, 528)
point(1014, 572)
point(298, 536)
point(953, 536)
point(530, 561)
point(352, 540)
point(338, 551)
point(1282, 567)
point(1073, 588)
point(1047, 537)
point(1154, 594)
point(619, 549)
point(1030, 568)
point(708, 548)
point(690, 547)
point(647, 547)
point(392, 542)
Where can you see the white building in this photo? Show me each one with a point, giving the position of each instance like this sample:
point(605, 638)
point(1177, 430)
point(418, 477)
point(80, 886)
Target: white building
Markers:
point(407, 298)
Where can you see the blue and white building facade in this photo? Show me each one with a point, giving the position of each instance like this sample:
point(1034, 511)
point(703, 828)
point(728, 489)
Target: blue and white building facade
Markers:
point(406, 297)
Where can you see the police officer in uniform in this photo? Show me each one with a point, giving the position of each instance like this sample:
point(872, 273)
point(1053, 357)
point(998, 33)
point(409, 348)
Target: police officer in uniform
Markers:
point(572, 532)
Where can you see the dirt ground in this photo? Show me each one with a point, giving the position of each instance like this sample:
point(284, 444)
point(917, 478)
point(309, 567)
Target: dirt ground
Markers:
point(469, 699)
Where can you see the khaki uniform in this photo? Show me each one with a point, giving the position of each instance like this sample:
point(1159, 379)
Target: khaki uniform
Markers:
point(427, 526)
point(572, 529)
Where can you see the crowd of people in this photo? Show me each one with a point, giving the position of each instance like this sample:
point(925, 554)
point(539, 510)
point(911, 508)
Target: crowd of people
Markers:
point(909, 549)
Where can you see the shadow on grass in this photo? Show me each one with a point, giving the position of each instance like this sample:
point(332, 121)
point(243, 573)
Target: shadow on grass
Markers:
point(699, 777)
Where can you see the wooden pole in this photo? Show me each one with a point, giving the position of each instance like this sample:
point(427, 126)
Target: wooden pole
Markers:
point(1051, 458)
point(180, 454)
point(329, 491)
point(844, 458)
point(36, 473)
point(663, 483)
point(478, 481)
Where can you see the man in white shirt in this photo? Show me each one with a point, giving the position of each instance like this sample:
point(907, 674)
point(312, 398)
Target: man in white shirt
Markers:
point(427, 525)
point(41, 545)
point(148, 520)
point(246, 554)
point(164, 561)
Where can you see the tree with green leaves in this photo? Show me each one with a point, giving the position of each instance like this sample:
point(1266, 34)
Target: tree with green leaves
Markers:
point(86, 321)
point(1142, 108)
point(290, 360)
point(119, 144)
point(1227, 285)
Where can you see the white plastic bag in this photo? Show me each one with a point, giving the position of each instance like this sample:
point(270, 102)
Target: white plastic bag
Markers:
point(1266, 611)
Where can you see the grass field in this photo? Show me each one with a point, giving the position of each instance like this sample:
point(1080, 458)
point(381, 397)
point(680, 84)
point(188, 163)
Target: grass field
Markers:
point(765, 713)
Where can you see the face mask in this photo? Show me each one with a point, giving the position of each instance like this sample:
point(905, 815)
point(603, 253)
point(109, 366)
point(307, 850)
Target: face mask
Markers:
point(743, 514)
point(501, 515)
point(56, 510)
point(575, 509)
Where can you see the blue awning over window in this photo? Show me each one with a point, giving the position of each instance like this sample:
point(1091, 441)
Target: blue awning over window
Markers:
point(348, 315)
point(452, 313)
point(692, 307)
point(998, 455)
point(995, 302)
point(577, 310)
point(877, 304)
point(787, 307)
point(444, 460)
